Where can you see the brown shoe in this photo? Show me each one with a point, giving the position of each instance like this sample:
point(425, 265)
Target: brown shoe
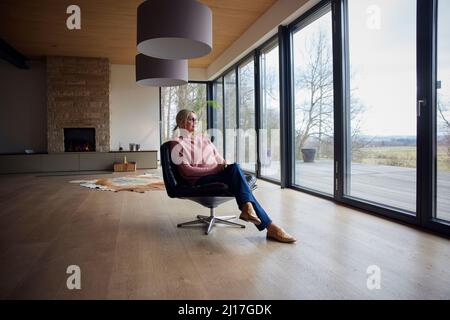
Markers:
point(278, 234)
point(248, 214)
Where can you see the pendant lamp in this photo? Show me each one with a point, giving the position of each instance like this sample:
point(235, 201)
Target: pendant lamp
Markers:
point(160, 72)
point(174, 29)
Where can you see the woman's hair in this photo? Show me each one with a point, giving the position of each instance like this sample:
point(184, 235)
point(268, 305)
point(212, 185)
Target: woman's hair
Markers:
point(182, 118)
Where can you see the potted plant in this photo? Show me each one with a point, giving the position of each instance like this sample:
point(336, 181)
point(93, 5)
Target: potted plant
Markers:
point(308, 154)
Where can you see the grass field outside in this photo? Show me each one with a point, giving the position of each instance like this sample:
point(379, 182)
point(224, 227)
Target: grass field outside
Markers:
point(398, 156)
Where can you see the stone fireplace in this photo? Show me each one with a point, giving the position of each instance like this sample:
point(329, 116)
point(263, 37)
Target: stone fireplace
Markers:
point(78, 98)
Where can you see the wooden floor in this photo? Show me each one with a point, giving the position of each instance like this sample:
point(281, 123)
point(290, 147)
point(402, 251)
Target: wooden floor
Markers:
point(128, 247)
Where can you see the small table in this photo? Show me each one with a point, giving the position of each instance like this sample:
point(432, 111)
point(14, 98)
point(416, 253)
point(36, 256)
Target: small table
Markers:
point(125, 167)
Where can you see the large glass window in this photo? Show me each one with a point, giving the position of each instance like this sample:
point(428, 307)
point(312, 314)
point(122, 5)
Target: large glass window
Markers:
point(443, 112)
point(230, 116)
point(269, 135)
point(173, 99)
point(217, 111)
point(377, 139)
point(247, 129)
point(313, 104)
point(381, 136)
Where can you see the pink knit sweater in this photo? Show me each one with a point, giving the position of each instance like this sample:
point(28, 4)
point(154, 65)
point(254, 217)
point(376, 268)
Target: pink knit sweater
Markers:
point(196, 156)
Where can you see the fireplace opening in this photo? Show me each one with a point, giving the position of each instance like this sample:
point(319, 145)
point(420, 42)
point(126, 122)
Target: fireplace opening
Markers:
point(79, 139)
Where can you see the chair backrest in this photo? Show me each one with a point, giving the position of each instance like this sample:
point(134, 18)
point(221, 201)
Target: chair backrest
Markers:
point(171, 176)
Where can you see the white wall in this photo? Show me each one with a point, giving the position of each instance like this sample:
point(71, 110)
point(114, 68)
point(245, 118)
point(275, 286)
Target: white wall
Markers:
point(134, 110)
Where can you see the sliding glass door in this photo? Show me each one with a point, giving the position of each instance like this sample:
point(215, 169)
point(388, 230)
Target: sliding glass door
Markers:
point(230, 116)
point(381, 115)
point(313, 148)
point(269, 135)
point(442, 138)
point(247, 129)
point(216, 106)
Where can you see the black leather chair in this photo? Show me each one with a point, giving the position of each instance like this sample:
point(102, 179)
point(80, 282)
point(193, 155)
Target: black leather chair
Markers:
point(210, 195)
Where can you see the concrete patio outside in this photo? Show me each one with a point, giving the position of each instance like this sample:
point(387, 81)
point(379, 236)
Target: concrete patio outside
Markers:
point(388, 185)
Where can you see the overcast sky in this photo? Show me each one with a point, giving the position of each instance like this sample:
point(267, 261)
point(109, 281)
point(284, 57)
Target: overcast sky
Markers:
point(383, 61)
point(383, 58)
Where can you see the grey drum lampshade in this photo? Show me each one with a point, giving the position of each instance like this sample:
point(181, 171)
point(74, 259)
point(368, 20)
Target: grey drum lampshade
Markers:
point(174, 29)
point(160, 72)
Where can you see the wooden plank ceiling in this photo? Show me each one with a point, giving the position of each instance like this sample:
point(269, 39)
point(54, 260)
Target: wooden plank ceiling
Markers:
point(37, 28)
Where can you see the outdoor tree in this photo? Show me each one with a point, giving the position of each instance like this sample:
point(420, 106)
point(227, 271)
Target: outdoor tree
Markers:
point(444, 117)
point(314, 123)
point(442, 110)
point(314, 93)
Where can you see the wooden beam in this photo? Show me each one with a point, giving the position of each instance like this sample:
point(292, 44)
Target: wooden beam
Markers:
point(11, 55)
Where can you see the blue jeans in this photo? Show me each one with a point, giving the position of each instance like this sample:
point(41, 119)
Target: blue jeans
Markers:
point(234, 178)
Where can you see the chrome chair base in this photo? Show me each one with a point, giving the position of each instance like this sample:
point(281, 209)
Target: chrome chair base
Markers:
point(210, 220)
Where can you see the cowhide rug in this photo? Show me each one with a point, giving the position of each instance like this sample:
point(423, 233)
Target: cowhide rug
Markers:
point(141, 183)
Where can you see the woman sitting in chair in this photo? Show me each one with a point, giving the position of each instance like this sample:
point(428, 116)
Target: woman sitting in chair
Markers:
point(199, 162)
